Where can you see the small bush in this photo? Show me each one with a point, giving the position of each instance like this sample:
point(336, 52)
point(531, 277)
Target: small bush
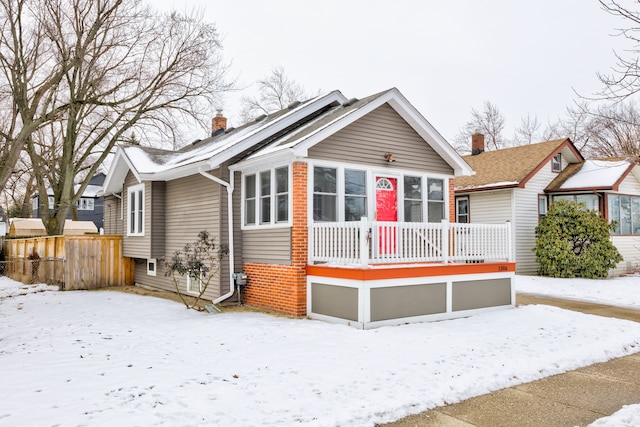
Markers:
point(574, 242)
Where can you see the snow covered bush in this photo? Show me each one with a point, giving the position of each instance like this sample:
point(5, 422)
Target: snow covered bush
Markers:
point(574, 242)
point(196, 264)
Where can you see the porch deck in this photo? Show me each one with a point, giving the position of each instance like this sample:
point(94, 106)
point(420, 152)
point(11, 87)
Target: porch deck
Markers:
point(368, 274)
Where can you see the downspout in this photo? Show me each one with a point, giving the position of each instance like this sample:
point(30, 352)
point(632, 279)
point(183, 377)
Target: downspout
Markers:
point(121, 204)
point(229, 187)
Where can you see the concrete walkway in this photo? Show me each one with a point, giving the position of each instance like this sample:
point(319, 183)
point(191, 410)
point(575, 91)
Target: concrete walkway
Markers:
point(575, 398)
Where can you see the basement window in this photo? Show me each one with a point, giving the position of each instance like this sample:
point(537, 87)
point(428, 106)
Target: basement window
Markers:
point(152, 266)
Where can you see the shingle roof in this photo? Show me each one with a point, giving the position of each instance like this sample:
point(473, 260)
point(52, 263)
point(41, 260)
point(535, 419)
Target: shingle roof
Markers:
point(508, 167)
point(596, 174)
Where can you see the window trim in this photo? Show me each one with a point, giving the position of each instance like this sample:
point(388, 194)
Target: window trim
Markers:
point(617, 231)
point(468, 214)
point(556, 163)
point(546, 204)
point(152, 271)
point(273, 223)
point(188, 285)
point(371, 174)
point(422, 199)
point(139, 213)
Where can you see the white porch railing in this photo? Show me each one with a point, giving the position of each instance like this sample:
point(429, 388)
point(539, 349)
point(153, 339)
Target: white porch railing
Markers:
point(371, 242)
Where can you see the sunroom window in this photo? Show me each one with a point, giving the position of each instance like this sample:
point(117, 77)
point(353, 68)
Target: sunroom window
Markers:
point(435, 196)
point(266, 197)
point(282, 194)
point(412, 199)
point(325, 194)
point(355, 194)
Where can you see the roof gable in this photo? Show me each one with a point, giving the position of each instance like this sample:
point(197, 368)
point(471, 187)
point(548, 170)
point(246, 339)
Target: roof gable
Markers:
point(513, 167)
point(595, 174)
point(299, 142)
point(154, 164)
point(294, 130)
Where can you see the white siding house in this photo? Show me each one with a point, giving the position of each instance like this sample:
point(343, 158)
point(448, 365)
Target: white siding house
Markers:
point(508, 185)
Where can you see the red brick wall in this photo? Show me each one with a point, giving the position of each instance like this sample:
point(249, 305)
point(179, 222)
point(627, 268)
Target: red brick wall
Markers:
point(452, 201)
point(284, 287)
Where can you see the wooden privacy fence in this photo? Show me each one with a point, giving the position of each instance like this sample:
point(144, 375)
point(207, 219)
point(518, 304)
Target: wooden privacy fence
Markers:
point(83, 262)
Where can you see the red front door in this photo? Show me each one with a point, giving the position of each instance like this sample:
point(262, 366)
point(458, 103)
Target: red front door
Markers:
point(386, 210)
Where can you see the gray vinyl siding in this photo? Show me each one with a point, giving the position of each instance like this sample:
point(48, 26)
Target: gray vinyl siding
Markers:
point(267, 246)
point(113, 215)
point(224, 228)
point(157, 219)
point(137, 246)
point(383, 130)
point(192, 205)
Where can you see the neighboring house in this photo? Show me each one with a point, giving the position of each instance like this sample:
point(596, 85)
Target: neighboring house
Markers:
point(509, 185)
point(518, 184)
point(335, 208)
point(612, 187)
point(90, 205)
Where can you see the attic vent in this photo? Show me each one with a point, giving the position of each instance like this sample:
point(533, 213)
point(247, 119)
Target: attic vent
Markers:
point(350, 102)
point(196, 141)
point(260, 117)
point(294, 104)
point(229, 130)
point(217, 132)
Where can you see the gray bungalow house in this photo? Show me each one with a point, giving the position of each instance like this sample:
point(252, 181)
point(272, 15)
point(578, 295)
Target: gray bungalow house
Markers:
point(334, 208)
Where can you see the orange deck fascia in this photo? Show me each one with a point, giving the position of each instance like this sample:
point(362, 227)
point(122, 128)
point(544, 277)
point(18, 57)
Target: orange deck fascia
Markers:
point(408, 271)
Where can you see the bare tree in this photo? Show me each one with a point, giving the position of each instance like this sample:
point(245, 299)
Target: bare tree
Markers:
point(624, 79)
point(275, 92)
point(119, 67)
point(490, 122)
point(528, 131)
point(30, 73)
point(614, 130)
point(19, 188)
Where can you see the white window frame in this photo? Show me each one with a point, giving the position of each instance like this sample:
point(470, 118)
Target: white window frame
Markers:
point(371, 174)
point(51, 201)
point(273, 222)
point(136, 211)
point(545, 199)
point(152, 267)
point(458, 214)
point(189, 284)
point(556, 163)
point(85, 204)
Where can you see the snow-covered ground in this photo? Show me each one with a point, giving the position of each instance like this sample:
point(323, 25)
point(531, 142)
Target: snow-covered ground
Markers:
point(108, 358)
point(618, 291)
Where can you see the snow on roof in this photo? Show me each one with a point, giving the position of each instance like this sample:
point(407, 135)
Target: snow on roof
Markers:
point(597, 173)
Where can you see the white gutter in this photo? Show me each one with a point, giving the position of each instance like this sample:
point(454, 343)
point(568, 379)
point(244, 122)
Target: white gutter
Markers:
point(229, 187)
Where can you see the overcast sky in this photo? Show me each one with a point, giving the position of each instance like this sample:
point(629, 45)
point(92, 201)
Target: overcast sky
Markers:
point(526, 57)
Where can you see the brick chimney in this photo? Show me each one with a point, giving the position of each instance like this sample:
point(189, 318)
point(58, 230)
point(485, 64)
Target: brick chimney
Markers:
point(218, 122)
point(477, 143)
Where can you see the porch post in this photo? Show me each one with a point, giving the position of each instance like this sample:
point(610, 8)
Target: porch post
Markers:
point(510, 256)
point(364, 241)
point(445, 241)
